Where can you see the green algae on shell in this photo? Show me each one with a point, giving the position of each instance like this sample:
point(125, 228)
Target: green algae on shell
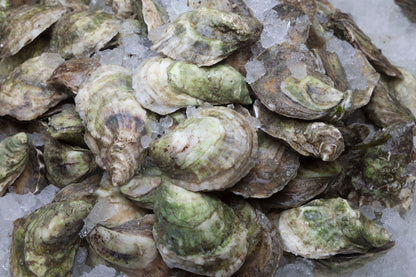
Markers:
point(45, 242)
point(326, 227)
point(206, 36)
point(198, 233)
point(211, 150)
point(114, 121)
point(79, 34)
point(14, 151)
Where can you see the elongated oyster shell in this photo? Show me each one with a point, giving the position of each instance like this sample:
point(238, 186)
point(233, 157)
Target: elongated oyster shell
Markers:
point(276, 166)
point(14, 155)
point(79, 34)
point(326, 227)
point(211, 150)
point(206, 36)
point(45, 242)
point(289, 91)
point(163, 85)
point(24, 24)
point(307, 138)
point(198, 233)
point(24, 93)
point(114, 120)
point(129, 247)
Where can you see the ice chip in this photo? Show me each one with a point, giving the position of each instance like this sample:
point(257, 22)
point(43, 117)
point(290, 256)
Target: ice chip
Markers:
point(255, 70)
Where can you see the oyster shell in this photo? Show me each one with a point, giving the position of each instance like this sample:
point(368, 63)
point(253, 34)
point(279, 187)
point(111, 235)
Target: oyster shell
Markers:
point(72, 73)
point(24, 24)
point(404, 90)
point(114, 121)
point(326, 227)
point(150, 13)
point(79, 34)
point(408, 8)
point(66, 126)
point(24, 93)
point(129, 247)
point(67, 164)
point(206, 36)
point(44, 243)
point(211, 150)
point(276, 166)
point(198, 233)
point(307, 138)
point(231, 6)
point(289, 91)
point(14, 156)
point(163, 85)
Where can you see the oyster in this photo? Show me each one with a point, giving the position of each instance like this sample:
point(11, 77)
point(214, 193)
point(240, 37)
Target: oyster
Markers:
point(72, 73)
point(312, 179)
point(163, 85)
point(295, 88)
point(211, 150)
point(231, 6)
point(404, 90)
point(67, 126)
point(129, 247)
point(67, 164)
point(24, 24)
point(24, 93)
point(79, 34)
point(276, 166)
point(14, 156)
point(44, 243)
point(307, 138)
point(114, 121)
point(198, 233)
point(408, 8)
point(150, 13)
point(326, 227)
point(206, 36)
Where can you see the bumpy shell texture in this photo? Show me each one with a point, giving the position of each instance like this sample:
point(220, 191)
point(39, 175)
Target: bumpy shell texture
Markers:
point(24, 24)
point(14, 153)
point(323, 228)
point(114, 120)
point(79, 34)
point(206, 36)
point(44, 243)
point(24, 93)
point(198, 233)
point(211, 150)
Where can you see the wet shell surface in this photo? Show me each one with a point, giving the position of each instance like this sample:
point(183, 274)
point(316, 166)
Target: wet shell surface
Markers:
point(24, 93)
point(22, 25)
point(79, 34)
point(114, 120)
point(206, 36)
point(211, 150)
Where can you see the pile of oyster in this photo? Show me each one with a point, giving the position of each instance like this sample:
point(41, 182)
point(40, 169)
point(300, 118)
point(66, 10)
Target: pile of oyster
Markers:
point(198, 172)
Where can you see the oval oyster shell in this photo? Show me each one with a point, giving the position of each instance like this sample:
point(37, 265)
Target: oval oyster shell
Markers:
point(115, 122)
point(206, 36)
point(24, 24)
point(80, 34)
point(24, 93)
point(211, 150)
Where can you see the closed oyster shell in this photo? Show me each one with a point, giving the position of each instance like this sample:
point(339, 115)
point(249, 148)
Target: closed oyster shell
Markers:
point(24, 93)
point(198, 233)
point(129, 247)
point(206, 36)
point(79, 34)
point(150, 13)
point(231, 6)
point(276, 166)
point(45, 242)
point(316, 139)
point(211, 150)
point(287, 91)
point(404, 90)
point(163, 85)
point(14, 156)
point(326, 227)
point(114, 120)
point(67, 164)
point(24, 24)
